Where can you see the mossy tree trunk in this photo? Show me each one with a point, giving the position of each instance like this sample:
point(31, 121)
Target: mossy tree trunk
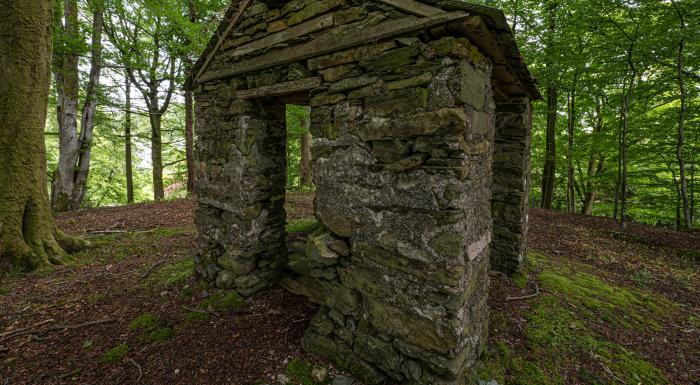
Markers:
point(28, 237)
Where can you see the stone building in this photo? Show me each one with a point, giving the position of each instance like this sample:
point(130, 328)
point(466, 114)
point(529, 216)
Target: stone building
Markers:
point(420, 113)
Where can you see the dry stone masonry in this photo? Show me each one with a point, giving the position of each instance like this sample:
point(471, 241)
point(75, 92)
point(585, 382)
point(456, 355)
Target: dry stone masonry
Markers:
point(420, 113)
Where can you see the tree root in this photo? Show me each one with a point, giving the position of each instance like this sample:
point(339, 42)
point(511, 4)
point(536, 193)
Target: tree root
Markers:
point(533, 295)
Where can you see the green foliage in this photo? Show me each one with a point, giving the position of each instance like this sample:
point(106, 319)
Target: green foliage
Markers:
point(297, 119)
point(116, 354)
point(582, 48)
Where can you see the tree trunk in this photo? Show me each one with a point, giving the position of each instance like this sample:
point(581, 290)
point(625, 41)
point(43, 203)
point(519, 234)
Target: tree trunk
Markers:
point(189, 116)
point(29, 238)
point(67, 87)
point(590, 188)
point(306, 178)
point(127, 142)
point(570, 195)
point(692, 192)
point(87, 122)
point(550, 162)
point(623, 151)
point(189, 141)
point(681, 125)
point(157, 156)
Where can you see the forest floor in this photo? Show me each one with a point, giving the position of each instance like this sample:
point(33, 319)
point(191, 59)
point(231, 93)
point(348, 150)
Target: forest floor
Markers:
point(594, 306)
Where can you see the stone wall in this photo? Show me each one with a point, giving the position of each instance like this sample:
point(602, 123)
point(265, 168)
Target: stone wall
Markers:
point(241, 175)
point(403, 171)
point(403, 153)
point(511, 184)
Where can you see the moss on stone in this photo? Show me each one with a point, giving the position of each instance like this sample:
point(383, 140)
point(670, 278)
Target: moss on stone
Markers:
point(224, 301)
point(300, 372)
point(116, 354)
point(145, 321)
point(302, 225)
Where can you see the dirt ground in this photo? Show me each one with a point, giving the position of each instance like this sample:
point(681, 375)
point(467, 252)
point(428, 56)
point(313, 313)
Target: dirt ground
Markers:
point(595, 306)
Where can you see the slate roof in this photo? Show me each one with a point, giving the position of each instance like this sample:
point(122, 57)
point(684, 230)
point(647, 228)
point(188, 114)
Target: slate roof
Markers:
point(498, 43)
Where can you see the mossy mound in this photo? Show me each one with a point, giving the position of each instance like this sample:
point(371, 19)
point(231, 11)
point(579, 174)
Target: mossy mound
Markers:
point(145, 321)
point(116, 354)
point(300, 372)
point(161, 334)
point(223, 301)
point(559, 333)
point(171, 274)
point(626, 307)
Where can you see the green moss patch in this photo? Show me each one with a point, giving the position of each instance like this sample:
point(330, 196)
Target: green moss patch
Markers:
point(559, 333)
point(300, 372)
point(171, 274)
point(624, 307)
point(146, 321)
point(116, 354)
point(161, 334)
point(303, 225)
point(223, 301)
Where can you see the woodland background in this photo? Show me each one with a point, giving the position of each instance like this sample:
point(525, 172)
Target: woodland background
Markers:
point(620, 82)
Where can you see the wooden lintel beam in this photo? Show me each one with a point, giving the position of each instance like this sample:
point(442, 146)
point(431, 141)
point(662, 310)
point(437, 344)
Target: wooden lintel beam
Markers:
point(279, 89)
point(331, 42)
point(413, 7)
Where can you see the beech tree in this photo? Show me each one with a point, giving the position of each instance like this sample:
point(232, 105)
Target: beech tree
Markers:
point(29, 238)
point(70, 178)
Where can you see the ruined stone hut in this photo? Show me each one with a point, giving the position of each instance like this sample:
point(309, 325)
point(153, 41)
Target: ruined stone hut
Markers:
point(420, 113)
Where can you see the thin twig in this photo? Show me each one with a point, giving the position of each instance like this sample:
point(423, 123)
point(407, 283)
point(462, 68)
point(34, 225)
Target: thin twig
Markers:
point(106, 232)
point(53, 328)
point(533, 295)
point(137, 367)
point(195, 310)
point(612, 374)
point(11, 332)
point(150, 269)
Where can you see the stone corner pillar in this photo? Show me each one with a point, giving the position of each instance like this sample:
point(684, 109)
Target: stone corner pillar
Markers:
point(511, 184)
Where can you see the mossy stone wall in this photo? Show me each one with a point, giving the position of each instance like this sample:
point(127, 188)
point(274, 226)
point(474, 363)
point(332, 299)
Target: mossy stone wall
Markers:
point(404, 140)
